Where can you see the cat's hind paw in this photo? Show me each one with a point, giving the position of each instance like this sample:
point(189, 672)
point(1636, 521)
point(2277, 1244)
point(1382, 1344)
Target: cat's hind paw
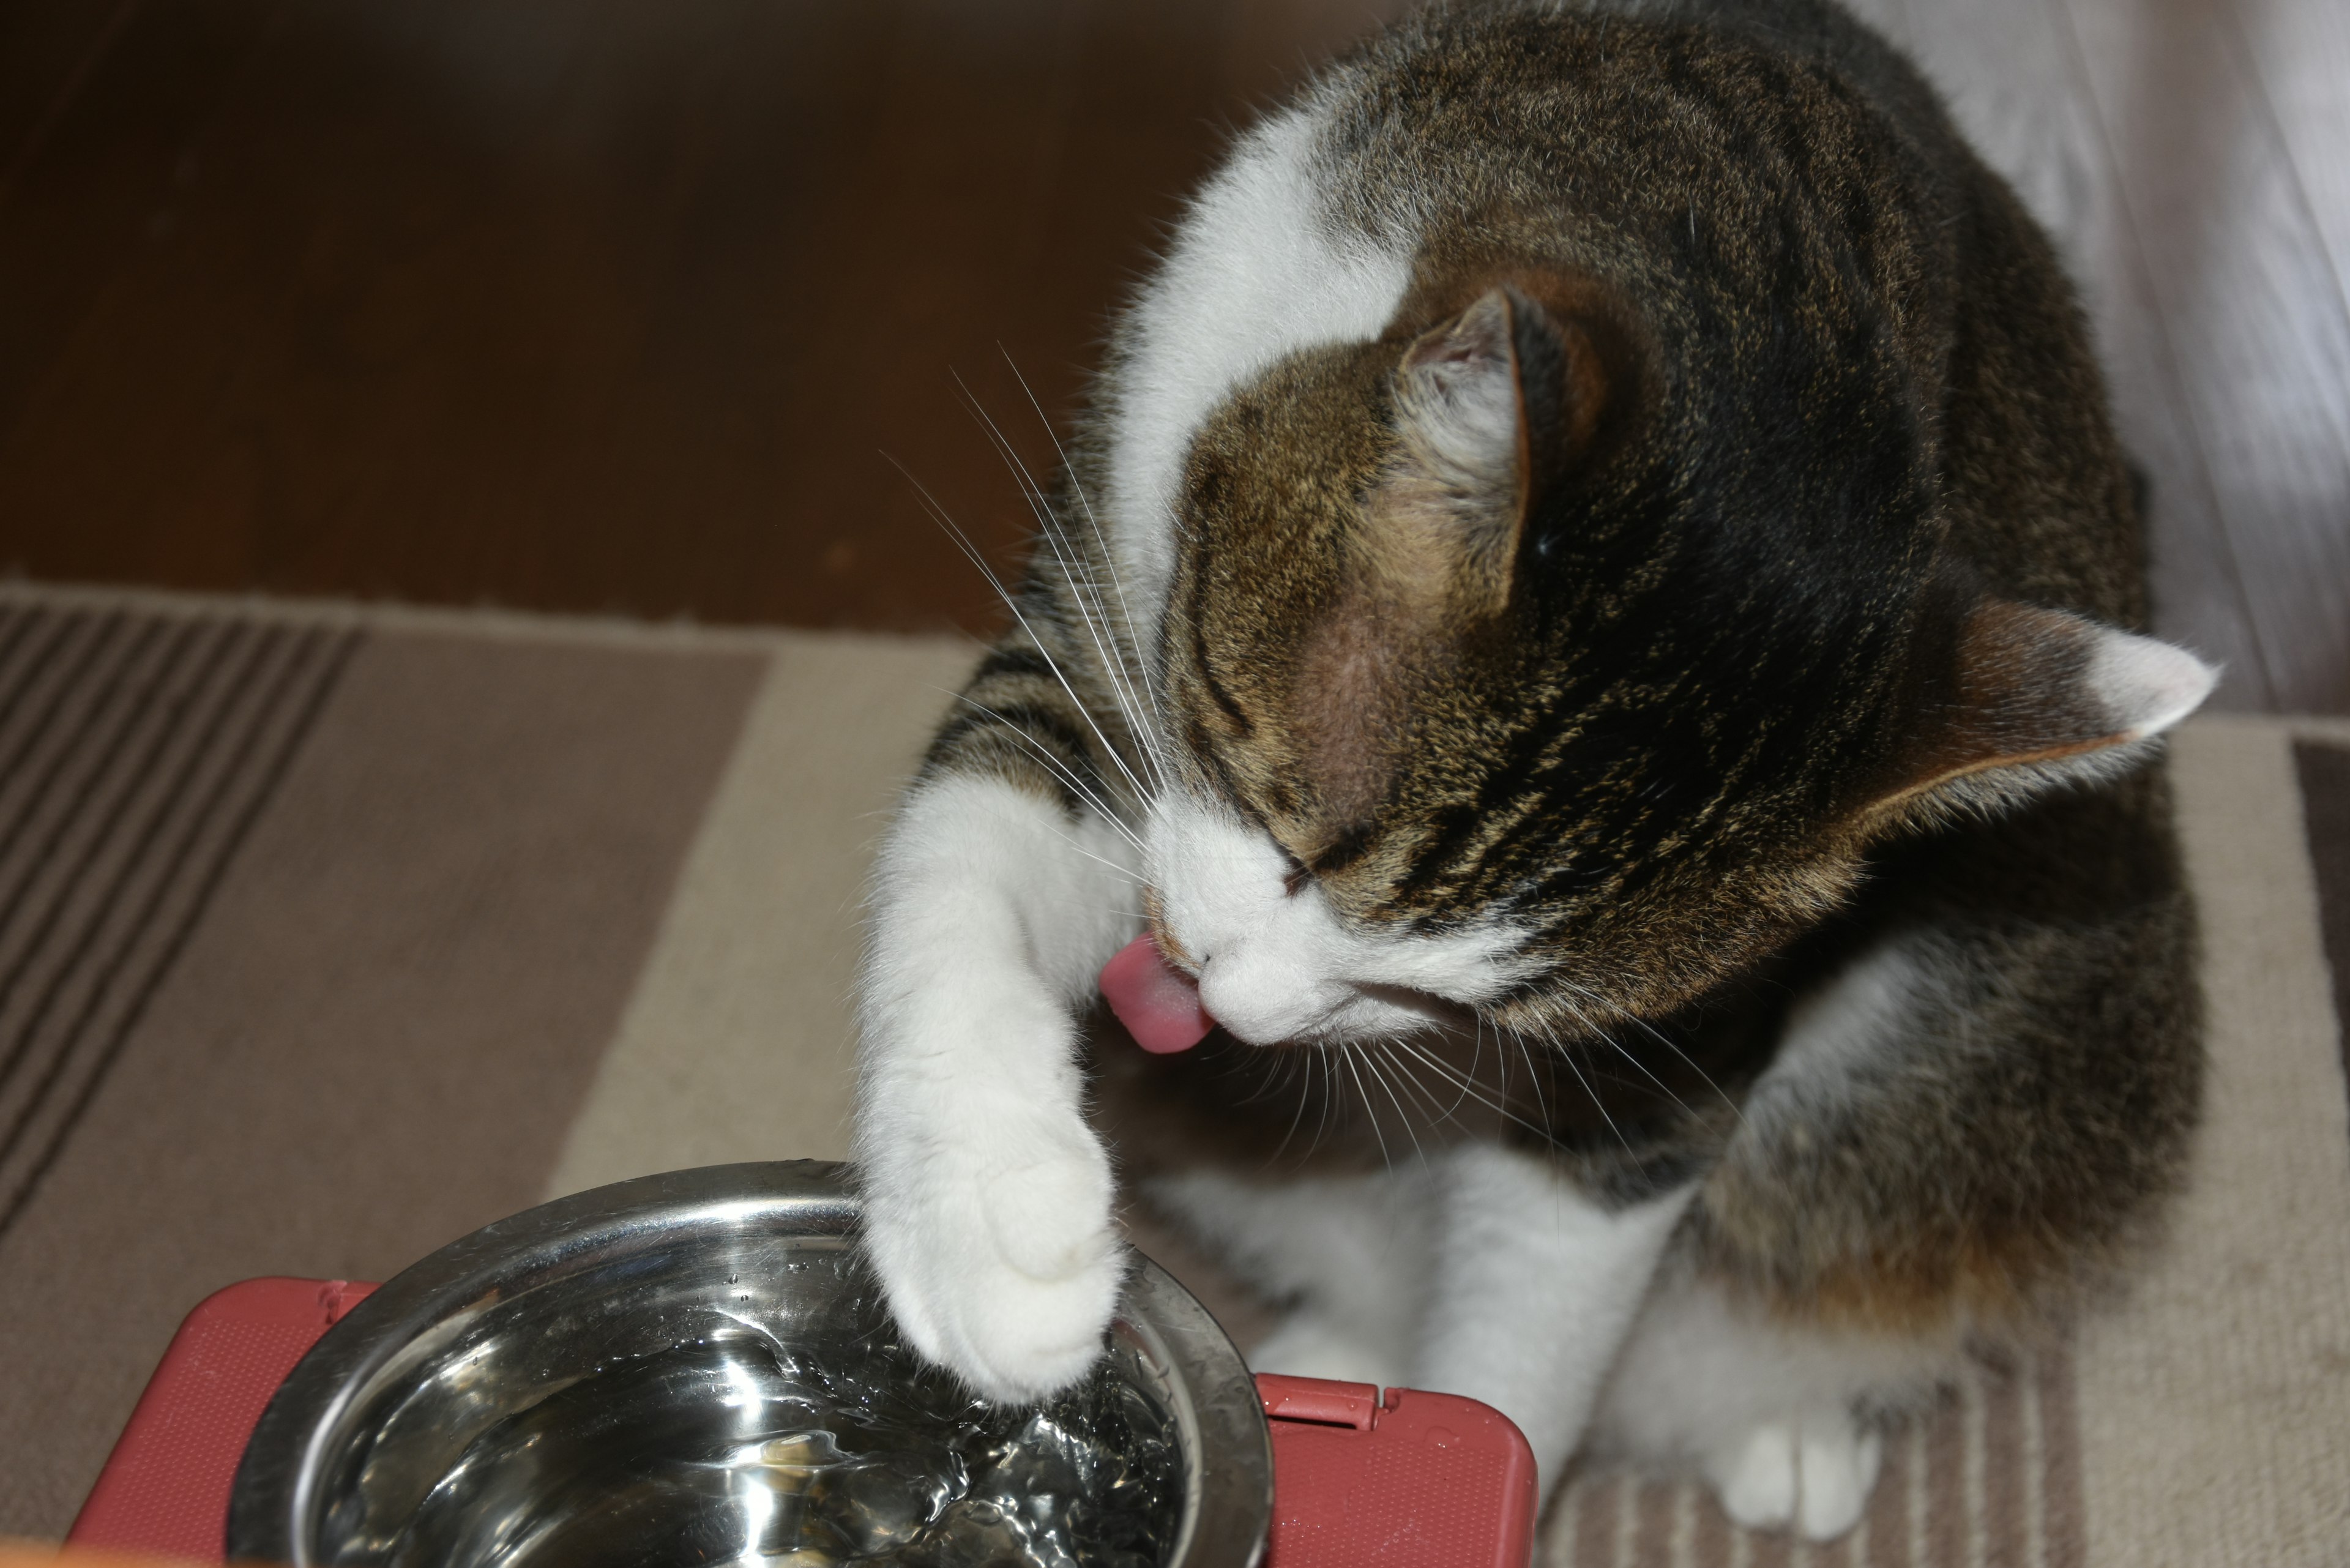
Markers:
point(1003, 1269)
point(1814, 1475)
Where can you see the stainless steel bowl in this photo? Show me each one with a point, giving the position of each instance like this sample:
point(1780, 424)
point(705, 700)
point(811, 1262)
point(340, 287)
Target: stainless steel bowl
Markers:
point(462, 1416)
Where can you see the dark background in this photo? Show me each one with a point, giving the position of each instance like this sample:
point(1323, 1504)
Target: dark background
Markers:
point(605, 306)
point(618, 305)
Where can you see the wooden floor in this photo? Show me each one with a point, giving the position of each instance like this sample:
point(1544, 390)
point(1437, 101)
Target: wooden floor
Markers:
point(603, 305)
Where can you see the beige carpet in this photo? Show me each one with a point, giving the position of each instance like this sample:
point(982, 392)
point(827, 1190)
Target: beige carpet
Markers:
point(329, 934)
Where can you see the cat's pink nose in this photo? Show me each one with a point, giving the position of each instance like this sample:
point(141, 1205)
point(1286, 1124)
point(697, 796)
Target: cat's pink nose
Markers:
point(1159, 1004)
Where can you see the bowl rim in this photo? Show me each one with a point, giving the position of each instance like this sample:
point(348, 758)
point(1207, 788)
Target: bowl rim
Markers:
point(1227, 1513)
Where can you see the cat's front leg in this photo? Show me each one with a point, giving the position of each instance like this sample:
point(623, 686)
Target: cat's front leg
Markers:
point(986, 1197)
point(1536, 1283)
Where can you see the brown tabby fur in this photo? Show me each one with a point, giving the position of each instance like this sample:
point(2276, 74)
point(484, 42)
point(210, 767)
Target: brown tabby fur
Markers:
point(1759, 666)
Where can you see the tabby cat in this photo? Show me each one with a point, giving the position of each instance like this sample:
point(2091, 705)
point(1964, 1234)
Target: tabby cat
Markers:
point(1594, 627)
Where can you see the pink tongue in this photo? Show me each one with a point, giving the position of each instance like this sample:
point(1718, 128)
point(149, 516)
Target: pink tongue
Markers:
point(1159, 1004)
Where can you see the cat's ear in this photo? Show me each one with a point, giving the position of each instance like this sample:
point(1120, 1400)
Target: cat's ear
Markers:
point(1491, 406)
point(2033, 698)
point(1460, 402)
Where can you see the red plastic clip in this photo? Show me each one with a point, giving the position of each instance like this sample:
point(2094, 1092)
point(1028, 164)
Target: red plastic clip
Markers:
point(1318, 1400)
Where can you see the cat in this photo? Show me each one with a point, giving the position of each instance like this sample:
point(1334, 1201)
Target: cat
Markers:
point(1595, 626)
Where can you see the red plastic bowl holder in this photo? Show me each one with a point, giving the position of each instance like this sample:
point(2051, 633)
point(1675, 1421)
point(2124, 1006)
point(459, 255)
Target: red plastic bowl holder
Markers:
point(1414, 1480)
point(1434, 1481)
point(165, 1487)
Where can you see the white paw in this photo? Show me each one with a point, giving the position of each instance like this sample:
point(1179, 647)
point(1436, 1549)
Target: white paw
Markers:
point(1310, 1345)
point(1815, 1475)
point(998, 1257)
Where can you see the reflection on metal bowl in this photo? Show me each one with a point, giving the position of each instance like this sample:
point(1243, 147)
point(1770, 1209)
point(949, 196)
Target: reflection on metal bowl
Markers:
point(695, 1369)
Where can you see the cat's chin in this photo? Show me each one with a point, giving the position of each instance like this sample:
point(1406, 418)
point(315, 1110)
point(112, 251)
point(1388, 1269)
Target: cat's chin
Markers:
point(1367, 1013)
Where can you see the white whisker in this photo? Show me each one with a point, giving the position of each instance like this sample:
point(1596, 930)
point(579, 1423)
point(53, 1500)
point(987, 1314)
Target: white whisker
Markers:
point(1412, 1080)
point(1101, 539)
point(1304, 1075)
point(1469, 1088)
point(1087, 605)
point(970, 551)
point(1060, 770)
point(1534, 1077)
point(1330, 1096)
point(1122, 873)
point(1618, 1045)
point(1379, 1075)
point(1346, 1055)
point(1567, 1056)
point(1662, 1039)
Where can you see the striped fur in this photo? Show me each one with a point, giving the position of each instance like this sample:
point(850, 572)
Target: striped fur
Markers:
point(1598, 612)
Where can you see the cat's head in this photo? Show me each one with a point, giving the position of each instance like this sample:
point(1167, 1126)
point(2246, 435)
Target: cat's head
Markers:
point(1506, 668)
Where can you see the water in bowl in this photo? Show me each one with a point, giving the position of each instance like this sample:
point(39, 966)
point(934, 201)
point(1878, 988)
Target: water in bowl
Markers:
point(829, 1445)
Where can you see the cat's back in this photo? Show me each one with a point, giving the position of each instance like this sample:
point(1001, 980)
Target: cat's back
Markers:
point(1826, 282)
point(1475, 101)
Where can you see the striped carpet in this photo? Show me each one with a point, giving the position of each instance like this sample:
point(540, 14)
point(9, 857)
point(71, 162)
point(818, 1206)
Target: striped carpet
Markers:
point(135, 753)
point(1993, 1478)
point(329, 934)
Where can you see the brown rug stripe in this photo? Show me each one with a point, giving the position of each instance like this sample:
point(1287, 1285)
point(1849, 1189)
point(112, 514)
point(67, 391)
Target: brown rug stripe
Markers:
point(320, 937)
point(161, 812)
point(39, 641)
point(1945, 1482)
point(1989, 1479)
point(16, 627)
point(1709, 1535)
point(2000, 1513)
point(68, 699)
point(2324, 774)
point(2064, 1518)
point(1653, 1523)
point(55, 904)
point(52, 793)
point(1885, 1528)
point(115, 816)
